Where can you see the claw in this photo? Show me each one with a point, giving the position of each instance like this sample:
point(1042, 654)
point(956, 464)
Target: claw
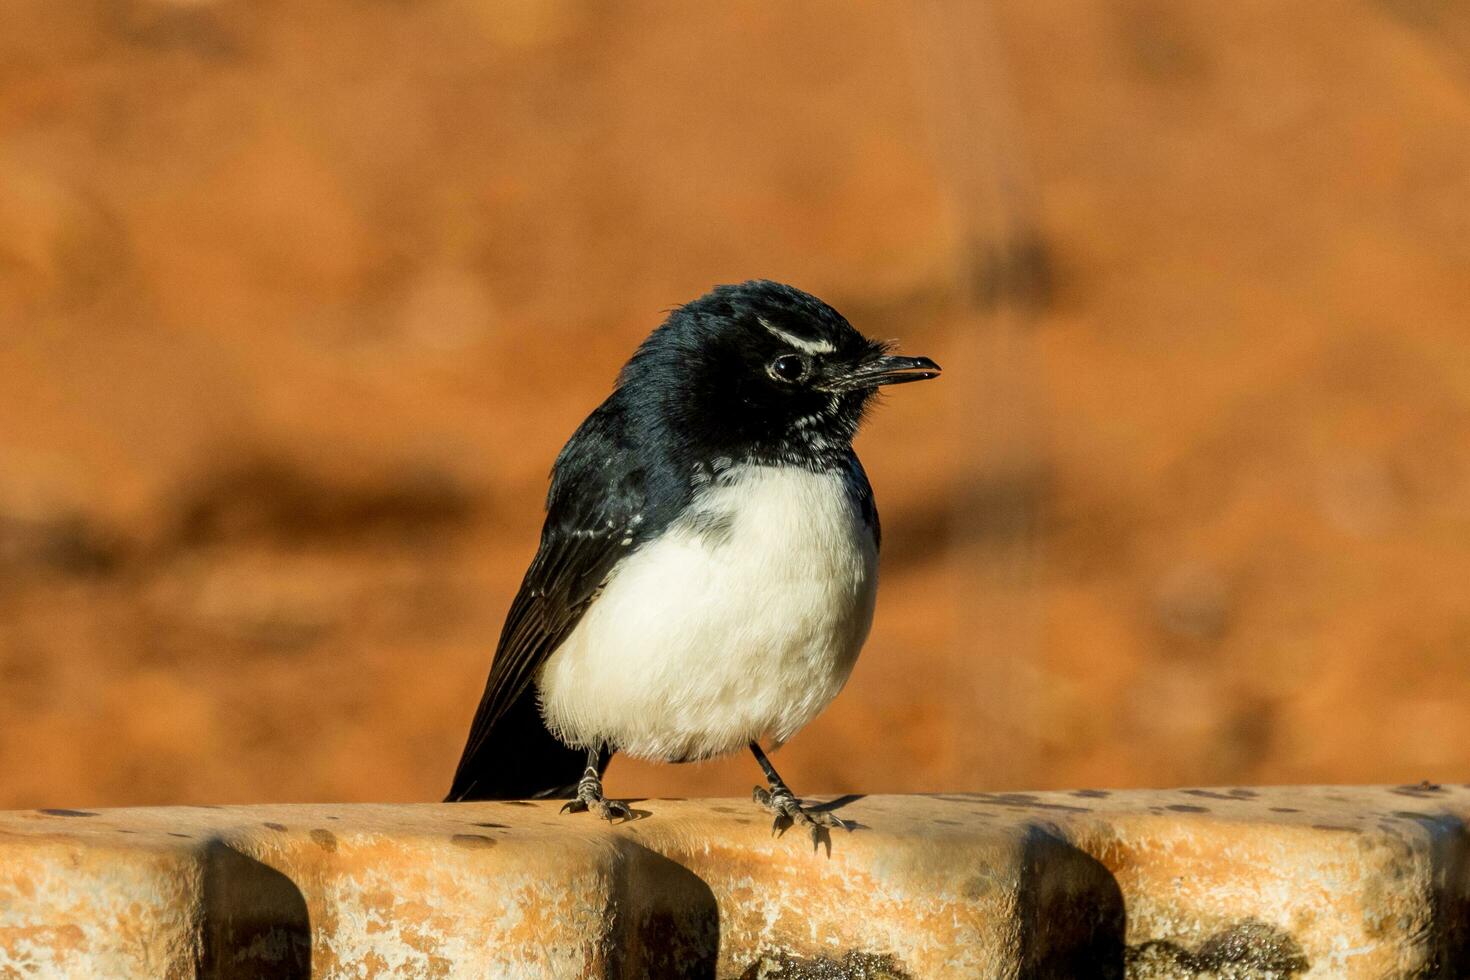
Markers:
point(589, 797)
point(829, 819)
point(789, 811)
point(613, 810)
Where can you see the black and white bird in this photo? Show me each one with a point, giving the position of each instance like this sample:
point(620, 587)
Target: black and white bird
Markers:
point(709, 561)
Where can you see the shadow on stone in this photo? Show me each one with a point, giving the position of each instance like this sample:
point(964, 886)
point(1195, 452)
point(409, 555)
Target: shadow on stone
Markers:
point(255, 922)
point(837, 804)
point(669, 921)
point(1071, 912)
point(1451, 900)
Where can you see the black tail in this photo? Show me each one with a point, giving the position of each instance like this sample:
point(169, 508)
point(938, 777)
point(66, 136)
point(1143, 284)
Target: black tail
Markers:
point(520, 759)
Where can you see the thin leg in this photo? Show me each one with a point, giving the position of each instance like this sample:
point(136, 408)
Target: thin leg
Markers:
point(788, 809)
point(589, 794)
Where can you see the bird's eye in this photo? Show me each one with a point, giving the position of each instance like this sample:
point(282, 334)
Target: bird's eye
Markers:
point(788, 367)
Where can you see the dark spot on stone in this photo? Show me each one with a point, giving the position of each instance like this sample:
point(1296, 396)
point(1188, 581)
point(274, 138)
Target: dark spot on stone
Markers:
point(1334, 826)
point(275, 826)
point(124, 830)
point(1158, 958)
point(516, 803)
point(330, 817)
point(1208, 793)
point(1023, 801)
point(472, 841)
point(324, 839)
point(726, 809)
point(173, 833)
point(744, 820)
point(1250, 949)
point(1244, 794)
point(978, 887)
point(1090, 794)
point(494, 826)
point(1255, 944)
point(949, 823)
point(1285, 809)
point(1187, 808)
point(852, 966)
point(1415, 815)
point(57, 811)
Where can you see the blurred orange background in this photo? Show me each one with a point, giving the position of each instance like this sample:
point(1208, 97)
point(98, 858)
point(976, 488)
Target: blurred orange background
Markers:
point(298, 302)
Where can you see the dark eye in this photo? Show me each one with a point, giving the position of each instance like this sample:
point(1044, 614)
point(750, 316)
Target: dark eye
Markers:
point(788, 367)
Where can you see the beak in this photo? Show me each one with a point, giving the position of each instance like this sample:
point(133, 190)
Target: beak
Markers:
point(886, 370)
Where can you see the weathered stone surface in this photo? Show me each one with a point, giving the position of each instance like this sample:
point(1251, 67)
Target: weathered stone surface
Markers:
point(1305, 882)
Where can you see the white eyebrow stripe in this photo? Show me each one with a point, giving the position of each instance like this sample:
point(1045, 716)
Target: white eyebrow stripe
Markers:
point(800, 343)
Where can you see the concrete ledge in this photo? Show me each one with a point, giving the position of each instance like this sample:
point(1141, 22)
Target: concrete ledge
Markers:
point(1282, 882)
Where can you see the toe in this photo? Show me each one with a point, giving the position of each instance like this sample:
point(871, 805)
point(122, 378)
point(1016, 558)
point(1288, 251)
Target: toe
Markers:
point(611, 810)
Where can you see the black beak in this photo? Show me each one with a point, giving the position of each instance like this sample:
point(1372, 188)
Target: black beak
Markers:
point(886, 370)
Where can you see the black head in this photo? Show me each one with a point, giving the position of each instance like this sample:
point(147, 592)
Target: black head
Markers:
point(764, 372)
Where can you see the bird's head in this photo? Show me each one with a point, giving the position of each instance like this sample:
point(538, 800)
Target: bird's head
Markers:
point(765, 371)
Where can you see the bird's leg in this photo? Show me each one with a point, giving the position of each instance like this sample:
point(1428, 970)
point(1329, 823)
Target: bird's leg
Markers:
point(589, 795)
point(784, 804)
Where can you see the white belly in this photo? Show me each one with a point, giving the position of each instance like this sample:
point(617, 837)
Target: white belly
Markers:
point(741, 622)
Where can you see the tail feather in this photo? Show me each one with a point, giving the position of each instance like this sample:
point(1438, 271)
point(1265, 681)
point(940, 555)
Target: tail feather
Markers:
point(520, 760)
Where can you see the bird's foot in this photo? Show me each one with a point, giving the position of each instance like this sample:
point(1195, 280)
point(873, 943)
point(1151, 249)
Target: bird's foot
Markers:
point(589, 797)
point(790, 811)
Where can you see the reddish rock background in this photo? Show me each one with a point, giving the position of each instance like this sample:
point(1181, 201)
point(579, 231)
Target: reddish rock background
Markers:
point(298, 301)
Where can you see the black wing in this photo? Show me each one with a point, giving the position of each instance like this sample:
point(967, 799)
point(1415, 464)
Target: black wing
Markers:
point(597, 512)
point(862, 491)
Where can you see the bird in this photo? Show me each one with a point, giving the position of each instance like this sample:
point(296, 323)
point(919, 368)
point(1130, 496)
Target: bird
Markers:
point(708, 565)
